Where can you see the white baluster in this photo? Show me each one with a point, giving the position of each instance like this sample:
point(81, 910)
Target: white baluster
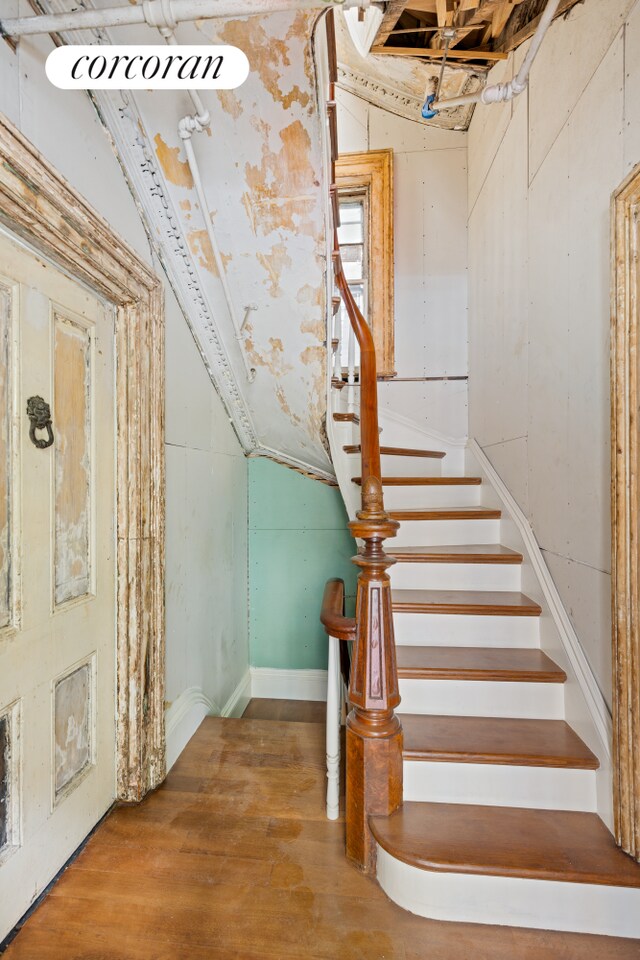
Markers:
point(334, 712)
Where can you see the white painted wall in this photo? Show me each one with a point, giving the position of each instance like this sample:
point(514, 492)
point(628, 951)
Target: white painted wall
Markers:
point(541, 174)
point(207, 646)
point(430, 198)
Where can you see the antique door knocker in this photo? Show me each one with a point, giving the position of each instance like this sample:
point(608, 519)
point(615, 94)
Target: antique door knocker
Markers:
point(39, 414)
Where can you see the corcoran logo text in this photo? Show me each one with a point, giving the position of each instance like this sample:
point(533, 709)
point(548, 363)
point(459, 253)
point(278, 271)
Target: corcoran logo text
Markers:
point(97, 67)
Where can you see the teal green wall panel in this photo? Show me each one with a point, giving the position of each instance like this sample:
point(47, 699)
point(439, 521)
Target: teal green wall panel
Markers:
point(298, 539)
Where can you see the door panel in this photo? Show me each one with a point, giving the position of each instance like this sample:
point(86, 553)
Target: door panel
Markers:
point(73, 456)
point(57, 655)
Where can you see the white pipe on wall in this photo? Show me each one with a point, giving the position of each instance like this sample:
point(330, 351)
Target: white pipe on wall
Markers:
point(500, 92)
point(160, 13)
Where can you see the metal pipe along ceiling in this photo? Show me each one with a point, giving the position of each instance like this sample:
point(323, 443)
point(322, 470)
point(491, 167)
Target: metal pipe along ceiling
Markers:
point(160, 13)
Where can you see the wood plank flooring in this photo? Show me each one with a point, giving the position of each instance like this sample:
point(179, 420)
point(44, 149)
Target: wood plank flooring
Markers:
point(233, 859)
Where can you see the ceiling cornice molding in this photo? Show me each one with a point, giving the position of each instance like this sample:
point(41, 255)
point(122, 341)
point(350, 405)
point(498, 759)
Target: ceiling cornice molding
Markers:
point(123, 123)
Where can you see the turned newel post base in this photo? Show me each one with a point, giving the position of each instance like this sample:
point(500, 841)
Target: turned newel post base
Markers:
point(374, 733)
point(374, 787)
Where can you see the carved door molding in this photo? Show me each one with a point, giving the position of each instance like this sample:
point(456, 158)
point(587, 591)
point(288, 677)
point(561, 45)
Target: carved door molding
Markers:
point(625, 490)
point(37, 204)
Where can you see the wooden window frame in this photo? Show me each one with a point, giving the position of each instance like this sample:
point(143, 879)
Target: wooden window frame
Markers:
point(373, 172)
point(38, 204)
point(625, 515)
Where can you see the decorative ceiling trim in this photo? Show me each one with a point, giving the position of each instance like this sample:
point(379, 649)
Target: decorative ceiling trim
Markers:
point(119, 115)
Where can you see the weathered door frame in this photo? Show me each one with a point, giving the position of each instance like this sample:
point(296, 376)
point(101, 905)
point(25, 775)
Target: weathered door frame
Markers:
point(625, 510)
point(37, 204)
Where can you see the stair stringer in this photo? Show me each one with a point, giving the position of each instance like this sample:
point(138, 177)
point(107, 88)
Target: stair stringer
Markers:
point(585, 707)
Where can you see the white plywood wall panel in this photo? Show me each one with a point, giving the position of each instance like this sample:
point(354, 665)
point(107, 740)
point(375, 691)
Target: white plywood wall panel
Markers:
point(595, 172)
point(511, 460)
point(411, 338)
point(632, 86)
point(177, 652)
point(586, 593)
point(549, 355)
point(387, 129)
point(440, 406)
point(512, 304)
point(353, 122)
point(486, 242)
point(570, 55)
point(487, 129)
point(445, 262)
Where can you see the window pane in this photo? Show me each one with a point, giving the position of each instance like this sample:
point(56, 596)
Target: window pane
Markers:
point(351, 212)
point(350, 233)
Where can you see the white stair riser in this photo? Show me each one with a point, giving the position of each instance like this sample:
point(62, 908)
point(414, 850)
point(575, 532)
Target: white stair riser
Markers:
point(501, 785)
point(511, 901)
point(483, 698)
point(459, 630)
point(407, 498)
point(429, 533)
point(396, 466)
point(455, 576)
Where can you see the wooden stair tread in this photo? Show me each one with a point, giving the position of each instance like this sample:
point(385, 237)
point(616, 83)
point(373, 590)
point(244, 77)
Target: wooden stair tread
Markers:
point(477, 663)
point(426, 481)
point(447, 513)
point(470, 602)
point(398, 451)
point(506, 841)
point(536, 743)
point(473, 553)
point(346, 418)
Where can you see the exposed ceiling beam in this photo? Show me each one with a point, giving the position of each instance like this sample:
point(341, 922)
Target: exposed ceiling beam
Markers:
point(430, 54)
point(392, 14)
point(517, 32)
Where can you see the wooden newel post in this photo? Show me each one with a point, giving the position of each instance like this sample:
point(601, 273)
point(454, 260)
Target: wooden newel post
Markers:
point(374, 734)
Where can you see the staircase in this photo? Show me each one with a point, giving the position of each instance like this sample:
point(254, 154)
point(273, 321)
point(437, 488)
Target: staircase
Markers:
point(499, 822)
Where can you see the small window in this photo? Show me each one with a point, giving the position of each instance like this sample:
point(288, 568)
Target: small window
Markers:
point(365, 235)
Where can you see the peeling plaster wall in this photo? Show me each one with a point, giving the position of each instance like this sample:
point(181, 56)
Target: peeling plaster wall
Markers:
point(261, 164)
point(207, 645)
point(430, 207)
point(541, 174)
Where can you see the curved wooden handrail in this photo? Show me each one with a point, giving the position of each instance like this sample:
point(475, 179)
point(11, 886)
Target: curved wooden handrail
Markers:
point(332, 615)
point(374, 733)
point(369, 429)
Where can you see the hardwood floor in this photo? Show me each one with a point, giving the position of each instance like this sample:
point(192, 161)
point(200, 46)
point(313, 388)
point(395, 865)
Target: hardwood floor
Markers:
point(293, 711)
point(233, 859)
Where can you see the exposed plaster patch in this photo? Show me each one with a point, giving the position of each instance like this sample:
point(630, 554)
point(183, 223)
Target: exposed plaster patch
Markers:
point(282, 400)
point(185, 204)
point(267, 55)
point(273, 359)
point(176, 171)
point(274, 263)
point(200, 246)
point(230, 103)
point(283, 190)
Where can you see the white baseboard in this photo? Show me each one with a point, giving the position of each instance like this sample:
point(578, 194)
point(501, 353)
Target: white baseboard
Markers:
point(183, 718)
point(239, 699)
point(185, 714)
point(274, 684)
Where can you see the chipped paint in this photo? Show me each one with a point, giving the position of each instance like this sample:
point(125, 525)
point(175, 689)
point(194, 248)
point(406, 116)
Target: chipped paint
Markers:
point(274, 262)
point(230, 103)
point(72, 726)
point(175, 170)
point(272, 358)
point(282, 190)
point(269, 55)
point(72, 412)
point(5, 457)
point(200, 246)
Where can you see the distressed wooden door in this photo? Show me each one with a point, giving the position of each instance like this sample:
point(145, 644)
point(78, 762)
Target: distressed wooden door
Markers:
point(57, 573)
